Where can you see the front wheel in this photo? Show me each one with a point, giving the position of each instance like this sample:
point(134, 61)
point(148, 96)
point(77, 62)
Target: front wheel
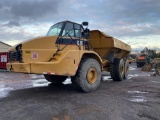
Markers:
point(88, 75)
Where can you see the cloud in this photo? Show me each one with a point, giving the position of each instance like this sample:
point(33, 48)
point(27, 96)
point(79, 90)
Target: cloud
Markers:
point(15, 34)
point(12, 23)
point(134, 30)
point(114, 13)
point(140, 42)
point(137, 11)
point(34, 9)
point(128, 20)
point(0, 5)
point(30, 10)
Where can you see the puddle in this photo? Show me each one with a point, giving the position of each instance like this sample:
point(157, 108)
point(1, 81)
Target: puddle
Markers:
point(140, 92)
point(132, 68)
point(155, 81)
point(32, 81)
point(4, 91)
point(106, 78)
point(44, 82)
point(135, 75)
point(67, 81)
point(40, 83)
point(34, 76)
point(138, 99)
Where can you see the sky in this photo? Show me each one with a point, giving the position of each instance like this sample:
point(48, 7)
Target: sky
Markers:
point(136, 22)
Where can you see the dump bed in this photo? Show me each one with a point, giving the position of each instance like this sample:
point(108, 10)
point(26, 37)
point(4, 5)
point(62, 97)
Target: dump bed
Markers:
point(103, 44)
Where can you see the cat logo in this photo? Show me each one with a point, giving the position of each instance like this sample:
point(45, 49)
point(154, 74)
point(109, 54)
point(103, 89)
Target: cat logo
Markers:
point(34, 55)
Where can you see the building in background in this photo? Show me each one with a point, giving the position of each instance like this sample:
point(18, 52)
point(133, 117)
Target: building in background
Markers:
point(3, 54)
point(4, 47)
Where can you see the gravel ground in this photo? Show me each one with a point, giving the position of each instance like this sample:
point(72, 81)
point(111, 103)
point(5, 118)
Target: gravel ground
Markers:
point(31, 97)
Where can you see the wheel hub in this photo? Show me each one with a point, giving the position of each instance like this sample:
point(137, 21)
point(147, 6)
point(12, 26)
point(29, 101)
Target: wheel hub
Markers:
point(122, 69)
point(92, 75)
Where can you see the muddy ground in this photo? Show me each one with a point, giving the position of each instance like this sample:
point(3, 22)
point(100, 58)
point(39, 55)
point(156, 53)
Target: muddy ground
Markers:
point(31, 97)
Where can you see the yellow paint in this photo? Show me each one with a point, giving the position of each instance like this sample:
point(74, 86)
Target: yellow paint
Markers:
point(40, 54)
point(103, 44)
point(19, 67)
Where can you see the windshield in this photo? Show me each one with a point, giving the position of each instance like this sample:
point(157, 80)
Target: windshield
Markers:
point(55, 29)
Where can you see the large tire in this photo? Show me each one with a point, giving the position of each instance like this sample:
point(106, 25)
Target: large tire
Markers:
point(138, 65)
point(126, 69)
point(88, 76)
point(117, 69)
point(54, 79)
point(142, 64)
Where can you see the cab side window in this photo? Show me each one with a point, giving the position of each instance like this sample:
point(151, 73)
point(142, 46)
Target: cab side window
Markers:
point(68, 30)
point(77, 30)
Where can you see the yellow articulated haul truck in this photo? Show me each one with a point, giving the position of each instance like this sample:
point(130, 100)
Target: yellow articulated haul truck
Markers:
point(71, 50)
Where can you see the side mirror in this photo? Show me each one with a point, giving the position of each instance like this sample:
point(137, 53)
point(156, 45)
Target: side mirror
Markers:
point(85, 23)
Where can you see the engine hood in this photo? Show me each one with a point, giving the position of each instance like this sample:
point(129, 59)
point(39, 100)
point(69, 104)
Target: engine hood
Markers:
point(46, 42)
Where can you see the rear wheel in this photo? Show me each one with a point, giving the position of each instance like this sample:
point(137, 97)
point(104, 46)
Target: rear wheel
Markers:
point(117, 69)
point(88, 75)
point(54, 79)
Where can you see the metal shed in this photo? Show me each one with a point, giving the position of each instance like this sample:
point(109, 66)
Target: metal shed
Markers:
point(3, 54)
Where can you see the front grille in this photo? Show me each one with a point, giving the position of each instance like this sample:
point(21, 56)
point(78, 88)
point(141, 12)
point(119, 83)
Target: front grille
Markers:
point(15, 56)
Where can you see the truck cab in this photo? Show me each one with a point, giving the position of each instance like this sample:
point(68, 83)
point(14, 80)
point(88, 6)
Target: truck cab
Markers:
point(61, 38)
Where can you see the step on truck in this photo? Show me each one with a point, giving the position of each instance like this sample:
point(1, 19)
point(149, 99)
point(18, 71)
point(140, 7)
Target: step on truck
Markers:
point(72, 50)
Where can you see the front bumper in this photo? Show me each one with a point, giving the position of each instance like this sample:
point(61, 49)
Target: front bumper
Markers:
point(19, 67)
point(44, 68)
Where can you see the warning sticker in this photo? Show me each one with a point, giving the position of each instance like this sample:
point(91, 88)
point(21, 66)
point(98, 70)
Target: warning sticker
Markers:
point(34, 55)
point(3, 58)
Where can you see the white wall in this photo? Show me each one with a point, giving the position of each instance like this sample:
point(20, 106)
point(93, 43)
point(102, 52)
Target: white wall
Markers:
point(3, 47)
